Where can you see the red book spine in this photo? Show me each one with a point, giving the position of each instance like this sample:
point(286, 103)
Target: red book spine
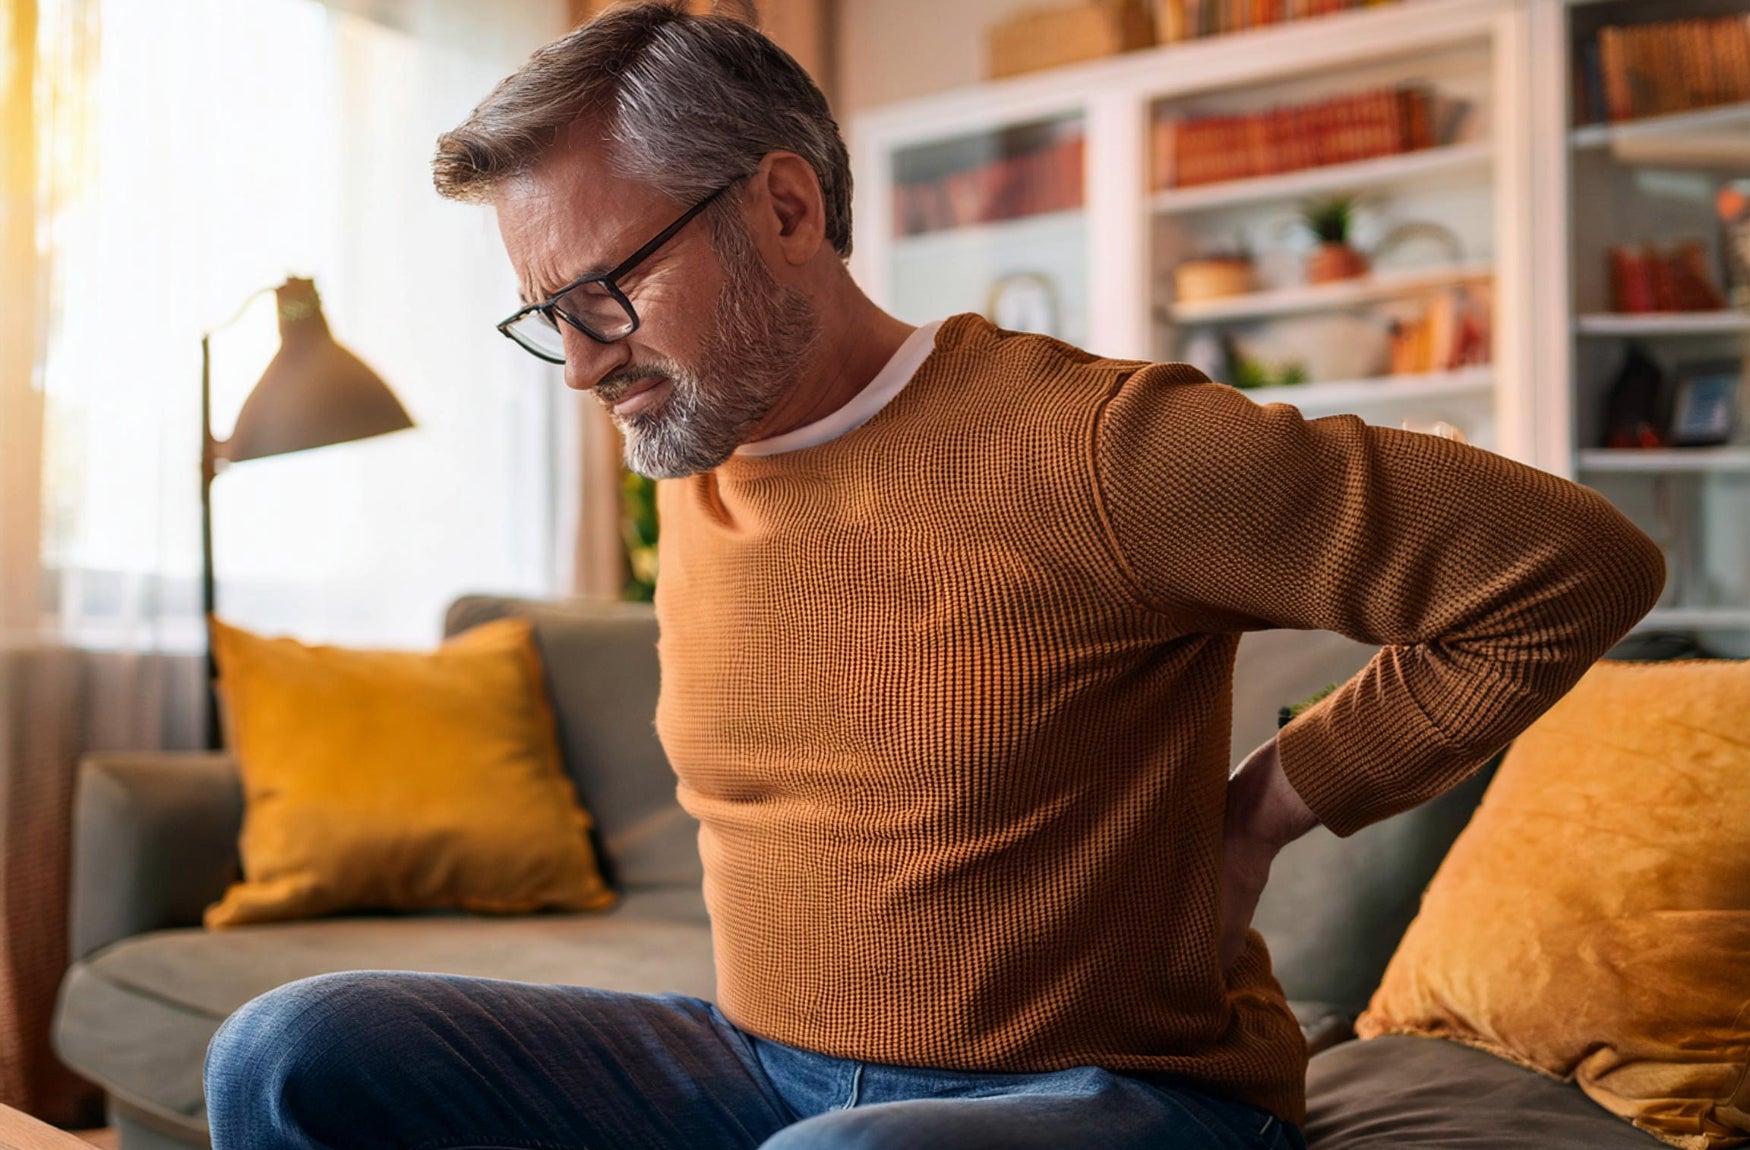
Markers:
point(1388, 123)
point(1611, 52)
point(1257, 128)
point(1189, 147)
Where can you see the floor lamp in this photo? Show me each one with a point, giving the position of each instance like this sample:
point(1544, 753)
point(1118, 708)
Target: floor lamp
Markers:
point(314, 393)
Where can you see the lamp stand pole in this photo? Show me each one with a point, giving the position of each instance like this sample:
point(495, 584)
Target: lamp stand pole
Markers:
point(209, 592)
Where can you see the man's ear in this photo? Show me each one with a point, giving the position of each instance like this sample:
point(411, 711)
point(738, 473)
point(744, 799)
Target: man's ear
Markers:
point(792, 211)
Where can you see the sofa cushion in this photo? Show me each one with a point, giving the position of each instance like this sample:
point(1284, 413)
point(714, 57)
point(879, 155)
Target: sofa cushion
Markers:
point(400, 780)
point(1406, 1093)
point(136, 1017)
point(602, 674)
point(1593, 921)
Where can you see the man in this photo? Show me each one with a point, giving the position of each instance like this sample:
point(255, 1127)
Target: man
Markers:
point(948, 622)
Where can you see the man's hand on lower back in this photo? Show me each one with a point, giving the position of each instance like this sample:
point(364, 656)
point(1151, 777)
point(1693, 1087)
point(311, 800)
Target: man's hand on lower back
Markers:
point(1264, 814)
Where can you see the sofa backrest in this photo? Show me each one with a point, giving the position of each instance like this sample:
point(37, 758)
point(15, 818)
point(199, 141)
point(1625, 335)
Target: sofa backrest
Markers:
point(1332, 914)
point(602, 676)
point(1335, 908)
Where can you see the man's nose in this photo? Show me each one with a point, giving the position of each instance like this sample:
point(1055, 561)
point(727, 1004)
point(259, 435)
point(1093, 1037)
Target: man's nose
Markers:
point(587, 361)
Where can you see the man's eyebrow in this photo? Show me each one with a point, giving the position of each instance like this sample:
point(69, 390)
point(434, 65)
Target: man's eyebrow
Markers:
point(593, 270)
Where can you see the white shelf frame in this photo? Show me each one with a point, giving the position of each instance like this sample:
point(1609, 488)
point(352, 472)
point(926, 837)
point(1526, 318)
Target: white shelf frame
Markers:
point(1427, 165)
point(1696, 619)
point(1330, 296)
point(1663, 461)
point(1663, 323)
point(1676, 124)
point(1341, 396)
point(973, 234)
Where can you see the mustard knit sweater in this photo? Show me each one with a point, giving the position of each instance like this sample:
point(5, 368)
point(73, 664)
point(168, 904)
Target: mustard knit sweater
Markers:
point(950, 695)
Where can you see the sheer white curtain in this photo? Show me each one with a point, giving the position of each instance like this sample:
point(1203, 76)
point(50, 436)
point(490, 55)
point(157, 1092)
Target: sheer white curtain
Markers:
point(160, 162)
point(238, 143)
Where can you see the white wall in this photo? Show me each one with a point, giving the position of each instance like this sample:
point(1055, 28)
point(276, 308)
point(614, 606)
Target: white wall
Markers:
point(894, 49)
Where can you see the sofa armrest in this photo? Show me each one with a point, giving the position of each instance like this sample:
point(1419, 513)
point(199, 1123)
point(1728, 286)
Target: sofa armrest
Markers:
point(154, 842)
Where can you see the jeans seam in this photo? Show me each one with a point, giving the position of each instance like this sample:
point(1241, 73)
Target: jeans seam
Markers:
point(856, 1088)
point(737, 1040)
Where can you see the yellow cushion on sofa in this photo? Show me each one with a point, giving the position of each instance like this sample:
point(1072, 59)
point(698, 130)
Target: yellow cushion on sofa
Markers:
point(1593, 920)
point(398, 780)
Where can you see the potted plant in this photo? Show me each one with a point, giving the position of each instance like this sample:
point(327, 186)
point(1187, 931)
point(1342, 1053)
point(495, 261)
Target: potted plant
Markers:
point(1331, 221)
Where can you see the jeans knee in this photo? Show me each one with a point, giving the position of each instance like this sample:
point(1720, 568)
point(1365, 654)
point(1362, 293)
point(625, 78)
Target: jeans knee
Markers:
point(843, 1130)
point(275, 1041)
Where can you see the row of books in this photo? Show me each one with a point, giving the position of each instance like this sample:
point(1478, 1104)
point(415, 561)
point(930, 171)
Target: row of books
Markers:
point(1047, 179)
point(1361, 126)
point(1647, 278)
point(1177, 20)
point(1656, 69)
point(1453, 331)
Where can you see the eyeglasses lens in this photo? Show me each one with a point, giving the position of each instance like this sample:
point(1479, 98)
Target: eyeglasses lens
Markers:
point(598, 309)
point(590, 305)
point(537, 334)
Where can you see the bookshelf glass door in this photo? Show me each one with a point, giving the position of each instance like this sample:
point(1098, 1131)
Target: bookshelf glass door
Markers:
point(1659, 177)
point(993, 223)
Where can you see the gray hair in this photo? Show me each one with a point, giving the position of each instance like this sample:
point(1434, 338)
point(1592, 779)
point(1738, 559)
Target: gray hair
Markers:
point(691, 103)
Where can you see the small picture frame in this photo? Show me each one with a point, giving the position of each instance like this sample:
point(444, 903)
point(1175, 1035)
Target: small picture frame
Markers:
point(1704, 403)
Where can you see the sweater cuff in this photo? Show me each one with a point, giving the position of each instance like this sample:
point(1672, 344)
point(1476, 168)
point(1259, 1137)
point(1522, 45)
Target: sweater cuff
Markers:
point(1360, 755)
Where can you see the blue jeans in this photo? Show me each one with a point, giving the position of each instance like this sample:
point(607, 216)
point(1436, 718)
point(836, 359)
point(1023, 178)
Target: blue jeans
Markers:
point(395, 1061)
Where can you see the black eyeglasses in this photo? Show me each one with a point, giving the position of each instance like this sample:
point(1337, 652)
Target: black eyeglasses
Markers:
point(593, 304)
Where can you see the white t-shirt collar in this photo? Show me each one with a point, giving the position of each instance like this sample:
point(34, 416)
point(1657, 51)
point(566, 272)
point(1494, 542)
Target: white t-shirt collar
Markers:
point(860, 408)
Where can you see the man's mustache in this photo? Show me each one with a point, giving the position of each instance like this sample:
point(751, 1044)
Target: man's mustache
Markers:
point(618, 382)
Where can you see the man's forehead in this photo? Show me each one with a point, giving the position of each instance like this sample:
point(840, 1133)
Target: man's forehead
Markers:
point(572, 217)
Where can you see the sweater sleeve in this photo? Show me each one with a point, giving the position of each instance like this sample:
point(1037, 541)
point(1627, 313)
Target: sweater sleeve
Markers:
point(1490, 586)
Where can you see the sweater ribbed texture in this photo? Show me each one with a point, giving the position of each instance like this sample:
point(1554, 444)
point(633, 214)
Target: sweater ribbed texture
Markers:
point(950, 695)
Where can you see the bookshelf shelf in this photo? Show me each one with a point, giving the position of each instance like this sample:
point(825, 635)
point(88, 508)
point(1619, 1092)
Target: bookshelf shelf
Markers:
point(1695, 618)
point(1705, 121)
point(1663, 323)
point(1427, 165)
point(1288, 301)
point(1329, 398)
point(945, 242)
point(1659, 462)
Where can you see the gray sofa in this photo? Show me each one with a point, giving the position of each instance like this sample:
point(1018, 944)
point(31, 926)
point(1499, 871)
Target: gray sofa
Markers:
point(155, 842)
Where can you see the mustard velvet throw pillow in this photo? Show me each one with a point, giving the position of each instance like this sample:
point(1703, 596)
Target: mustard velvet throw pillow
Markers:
point(396, 780)
point(1593, 920)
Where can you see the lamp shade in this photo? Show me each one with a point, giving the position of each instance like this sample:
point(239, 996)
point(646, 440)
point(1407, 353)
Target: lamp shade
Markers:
point(314, 392)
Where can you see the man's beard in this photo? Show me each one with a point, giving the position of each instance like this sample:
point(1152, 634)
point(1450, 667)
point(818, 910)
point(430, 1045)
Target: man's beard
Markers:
point(760, 342)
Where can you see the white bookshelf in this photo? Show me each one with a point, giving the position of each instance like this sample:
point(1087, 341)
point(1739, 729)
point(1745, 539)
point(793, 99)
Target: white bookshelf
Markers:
point(1643, 181)
point(1115, 99)
point(1533, 199)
